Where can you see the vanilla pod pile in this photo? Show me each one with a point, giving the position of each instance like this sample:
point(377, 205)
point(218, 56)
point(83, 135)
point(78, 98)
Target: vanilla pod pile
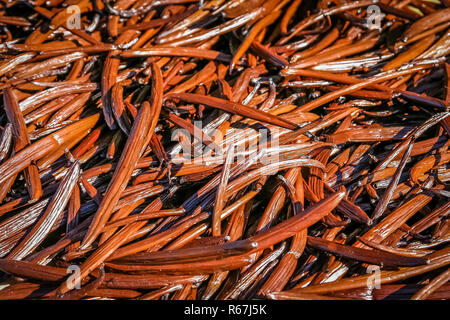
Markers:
point(224, 149)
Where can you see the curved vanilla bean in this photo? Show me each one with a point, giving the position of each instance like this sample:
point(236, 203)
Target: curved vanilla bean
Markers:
point(42, 147)
point(133, 148)
point(15, 117)
point(369, 256)
point(232, 108)
point(54, 209)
